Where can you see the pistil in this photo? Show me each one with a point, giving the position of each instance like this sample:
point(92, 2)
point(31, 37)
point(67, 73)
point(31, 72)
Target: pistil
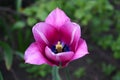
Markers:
point(59, 47)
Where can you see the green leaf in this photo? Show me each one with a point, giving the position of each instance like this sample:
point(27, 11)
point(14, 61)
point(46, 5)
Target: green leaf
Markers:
point(106, 41)
point(1, 77)
point(8, 55)
point(117, 76)
point(52, 5)
point(80, 72)
point(19, 25)
point(42, 73)
point(31, 21)
point(28, 11)
point(20, 54)
point(41, 14)
point(79, 14)
point(108, 6)
point(116, 48)
point(108, 68)
point(116, 55)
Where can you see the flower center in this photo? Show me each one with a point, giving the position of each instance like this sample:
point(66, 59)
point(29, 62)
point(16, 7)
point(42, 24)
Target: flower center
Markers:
point(59, 47)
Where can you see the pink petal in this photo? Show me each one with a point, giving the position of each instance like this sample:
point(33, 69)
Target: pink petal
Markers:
point(63, 57)
point(44, 33)
point(81, 50)
point(75, 37)
point(70, 33)
point(57, 18)
point(33, 55)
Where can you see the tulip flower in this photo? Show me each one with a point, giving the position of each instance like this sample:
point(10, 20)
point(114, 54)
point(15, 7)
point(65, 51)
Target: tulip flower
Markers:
point(57, 41)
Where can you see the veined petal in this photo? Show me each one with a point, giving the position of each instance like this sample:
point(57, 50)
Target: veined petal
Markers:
point(33, 55)
point(81, 50)
point(57, 18)
point(44, 33)
point(63, 57)
point(70, 33)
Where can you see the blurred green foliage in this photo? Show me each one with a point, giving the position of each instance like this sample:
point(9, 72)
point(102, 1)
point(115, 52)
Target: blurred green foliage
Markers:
point(8, 55)
point(36, 71)
point(1, 77)
point(108, 69)
point(117, 76)
point(99, 18)
point(79, 72)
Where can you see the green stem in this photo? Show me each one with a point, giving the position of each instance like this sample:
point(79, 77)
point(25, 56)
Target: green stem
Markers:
point(18, 8)
point(18, 5)
point(55, 73)
point(67, 74)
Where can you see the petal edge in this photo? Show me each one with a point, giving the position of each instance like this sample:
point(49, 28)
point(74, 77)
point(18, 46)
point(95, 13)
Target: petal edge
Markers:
point(33, 55)
point(81, 50)
point(45, 33)
point(63, 57)
point(57, 18)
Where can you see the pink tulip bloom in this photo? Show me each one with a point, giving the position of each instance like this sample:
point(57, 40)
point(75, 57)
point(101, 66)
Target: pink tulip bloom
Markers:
point(57, 41)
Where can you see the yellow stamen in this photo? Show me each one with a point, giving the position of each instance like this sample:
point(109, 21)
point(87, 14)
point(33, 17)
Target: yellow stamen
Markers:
point(59, 47)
